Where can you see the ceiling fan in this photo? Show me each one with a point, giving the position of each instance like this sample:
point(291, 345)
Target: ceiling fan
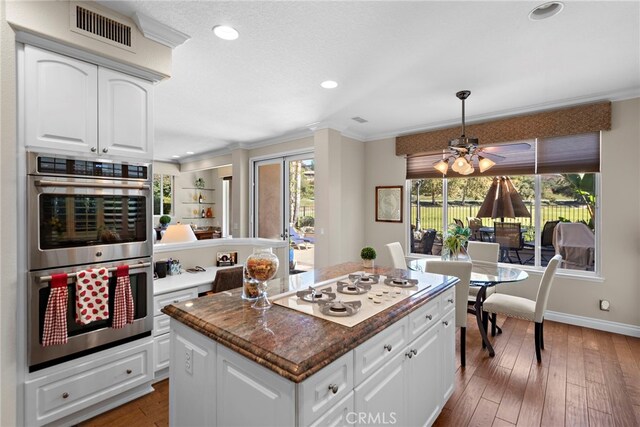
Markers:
point(465, 149)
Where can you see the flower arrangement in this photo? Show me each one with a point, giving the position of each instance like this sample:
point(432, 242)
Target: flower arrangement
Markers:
point(199, 183)
point(368, 254)
point(455, 239)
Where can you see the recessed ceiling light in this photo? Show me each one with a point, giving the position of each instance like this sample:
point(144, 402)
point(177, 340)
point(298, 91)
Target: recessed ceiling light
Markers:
point(190, 152)
point(175, 157)
point(546, 10)
point(225, 32)
point(329, 84)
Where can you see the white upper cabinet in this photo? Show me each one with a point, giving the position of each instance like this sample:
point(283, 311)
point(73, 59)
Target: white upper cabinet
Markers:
point(61, 102)
point(72, 105)
point(126, 114)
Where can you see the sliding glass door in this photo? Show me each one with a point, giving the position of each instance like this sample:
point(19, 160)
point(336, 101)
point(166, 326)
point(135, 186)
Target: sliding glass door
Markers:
point(284, 205)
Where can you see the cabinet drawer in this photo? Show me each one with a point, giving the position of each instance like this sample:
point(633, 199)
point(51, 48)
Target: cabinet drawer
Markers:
point(338, 415)
point(372, 354)
point(323, 389)
point(172, 298)
point(424, 317)
point(62, 393)
point(161, 352)
point(448, 299)
point(161, 325)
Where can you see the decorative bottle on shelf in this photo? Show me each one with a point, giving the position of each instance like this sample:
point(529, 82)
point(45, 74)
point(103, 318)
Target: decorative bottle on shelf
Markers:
point(200, 199)
point(209, 213)
point(202, 214)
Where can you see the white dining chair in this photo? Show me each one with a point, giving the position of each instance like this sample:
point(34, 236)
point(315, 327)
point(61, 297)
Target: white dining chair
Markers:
point(397, 255)
point(527, 309)
point(461, 270)
point(483, 252)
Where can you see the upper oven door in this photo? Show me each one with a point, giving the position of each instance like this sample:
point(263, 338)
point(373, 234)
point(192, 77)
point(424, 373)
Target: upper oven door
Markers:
point(79, 221)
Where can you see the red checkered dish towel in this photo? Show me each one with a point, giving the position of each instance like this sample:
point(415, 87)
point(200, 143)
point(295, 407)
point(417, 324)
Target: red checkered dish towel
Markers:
point(92, 295)
point(55, 317)
point(123, 302)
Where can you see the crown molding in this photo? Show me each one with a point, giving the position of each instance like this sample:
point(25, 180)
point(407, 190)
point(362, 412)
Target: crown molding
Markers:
point(159, 32)
point(287, 137)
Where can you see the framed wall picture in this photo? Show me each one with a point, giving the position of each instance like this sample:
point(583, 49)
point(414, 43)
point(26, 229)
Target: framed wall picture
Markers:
point(389, 203)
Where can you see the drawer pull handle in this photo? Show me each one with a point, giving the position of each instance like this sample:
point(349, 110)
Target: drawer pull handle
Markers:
point(387, 347)
point(105, 150)
point(445, 323)
point(65, 395)
point(450, 300)
point(414, 351)
point(175, 301)
point(429, 317)
point(409, 354)
point(129, 371)
point(333, 388)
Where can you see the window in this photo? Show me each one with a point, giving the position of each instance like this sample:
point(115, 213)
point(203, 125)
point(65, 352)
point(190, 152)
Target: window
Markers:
point(162, 194)
point(560, 201)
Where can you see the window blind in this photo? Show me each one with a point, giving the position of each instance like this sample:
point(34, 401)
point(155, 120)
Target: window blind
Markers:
point(574, 153)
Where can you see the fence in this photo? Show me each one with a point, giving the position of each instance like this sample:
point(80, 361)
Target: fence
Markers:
point(431, 215)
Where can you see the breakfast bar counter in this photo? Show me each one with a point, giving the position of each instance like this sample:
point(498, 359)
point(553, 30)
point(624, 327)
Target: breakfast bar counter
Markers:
point(310, 368)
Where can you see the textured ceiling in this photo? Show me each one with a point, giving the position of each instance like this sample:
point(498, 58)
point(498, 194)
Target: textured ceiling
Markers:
point(398, 65)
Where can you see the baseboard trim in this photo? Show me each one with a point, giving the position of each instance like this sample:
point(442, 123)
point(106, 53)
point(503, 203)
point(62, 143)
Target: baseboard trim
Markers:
point(589, 322)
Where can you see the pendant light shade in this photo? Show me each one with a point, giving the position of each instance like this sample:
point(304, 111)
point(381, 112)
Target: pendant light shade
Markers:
point(441, 166)
point(460, 164)
point(485, 164)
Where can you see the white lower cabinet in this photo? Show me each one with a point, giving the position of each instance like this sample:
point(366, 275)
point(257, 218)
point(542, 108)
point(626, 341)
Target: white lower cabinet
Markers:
point(389, 379)
point(161, 352)
point(52, 395)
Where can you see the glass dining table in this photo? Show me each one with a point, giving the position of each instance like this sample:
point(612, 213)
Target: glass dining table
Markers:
point(484, 275)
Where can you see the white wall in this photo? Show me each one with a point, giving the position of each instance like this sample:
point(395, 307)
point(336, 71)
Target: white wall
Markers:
point(8, 225)
point(620, 231)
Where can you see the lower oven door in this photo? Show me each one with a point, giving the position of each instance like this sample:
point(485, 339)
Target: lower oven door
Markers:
point(95, 336)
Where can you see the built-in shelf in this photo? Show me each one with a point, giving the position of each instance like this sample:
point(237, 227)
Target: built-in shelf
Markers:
point(194, 188)
point(198, 217)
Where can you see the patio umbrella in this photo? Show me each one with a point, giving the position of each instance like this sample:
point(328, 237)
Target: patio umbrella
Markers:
point(502, 201)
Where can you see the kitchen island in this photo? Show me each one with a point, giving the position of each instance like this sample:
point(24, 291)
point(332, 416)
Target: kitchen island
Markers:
point(233, 365)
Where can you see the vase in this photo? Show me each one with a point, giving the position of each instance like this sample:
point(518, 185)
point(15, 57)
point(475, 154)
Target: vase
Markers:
point(262, 265)
point(367, 263)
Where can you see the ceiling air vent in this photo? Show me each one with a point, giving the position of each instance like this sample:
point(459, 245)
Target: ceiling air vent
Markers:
point(97, 25)
point(359, 119)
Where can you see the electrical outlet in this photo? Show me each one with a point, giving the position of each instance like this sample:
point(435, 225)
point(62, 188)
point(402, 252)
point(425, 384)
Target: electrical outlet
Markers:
point(188, 360)
point(604, 305)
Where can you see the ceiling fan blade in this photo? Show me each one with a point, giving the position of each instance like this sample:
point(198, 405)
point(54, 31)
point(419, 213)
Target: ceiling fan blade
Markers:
point(507, 148)
point(491, 156)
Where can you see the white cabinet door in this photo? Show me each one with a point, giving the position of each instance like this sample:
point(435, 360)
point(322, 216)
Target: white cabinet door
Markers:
point(423, 378)
point(251, 395)
point(192, 391)
point(340, 415)
point(161, 352)
point(60, 102)
point(381, 399)
point(126, 115)
point(448, 348)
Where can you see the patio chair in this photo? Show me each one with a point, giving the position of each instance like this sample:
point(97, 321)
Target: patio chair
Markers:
point(523, 308)
point(546, 241)
point(458, 222)
point(474, 225)
point(298, 240)
point(426, 243)
point(509, 236)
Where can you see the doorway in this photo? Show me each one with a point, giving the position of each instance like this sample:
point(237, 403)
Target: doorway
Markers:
point(284, 205)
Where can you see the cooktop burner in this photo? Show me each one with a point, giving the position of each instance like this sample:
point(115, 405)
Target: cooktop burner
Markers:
point(339, 308)
point(401, 282)
point(314, 295)
point(349, 300)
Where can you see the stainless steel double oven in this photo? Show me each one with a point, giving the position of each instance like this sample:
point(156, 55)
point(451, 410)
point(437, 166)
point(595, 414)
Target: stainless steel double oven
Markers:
point(87, 213)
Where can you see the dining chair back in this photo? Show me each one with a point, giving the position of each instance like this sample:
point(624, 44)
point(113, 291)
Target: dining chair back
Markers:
point(483, 251)
point(526, 309)
point(461, 270)
point(397, 255)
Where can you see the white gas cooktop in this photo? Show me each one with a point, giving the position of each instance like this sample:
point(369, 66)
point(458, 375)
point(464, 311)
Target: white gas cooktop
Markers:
point(351, 299)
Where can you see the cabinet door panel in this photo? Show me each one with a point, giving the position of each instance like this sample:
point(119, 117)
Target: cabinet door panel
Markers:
point(381, 399)
point(340, 415)
point(449, 354)
point(250, 395)
point(425, 392)
point(60, 102)
point(126, 113)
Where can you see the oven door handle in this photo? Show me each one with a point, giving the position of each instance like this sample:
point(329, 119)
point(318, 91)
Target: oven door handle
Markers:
point(45, 183)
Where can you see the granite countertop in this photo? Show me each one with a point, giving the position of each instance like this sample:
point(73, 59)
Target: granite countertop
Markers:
point(288, 342)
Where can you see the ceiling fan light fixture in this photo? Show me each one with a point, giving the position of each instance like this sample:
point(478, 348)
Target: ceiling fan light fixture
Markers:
point(485, 164)
point(468, 170)
point(460, 164)
point(441, 166)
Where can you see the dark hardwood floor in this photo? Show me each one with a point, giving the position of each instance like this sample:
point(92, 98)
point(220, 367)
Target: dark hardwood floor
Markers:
point(586, 378)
